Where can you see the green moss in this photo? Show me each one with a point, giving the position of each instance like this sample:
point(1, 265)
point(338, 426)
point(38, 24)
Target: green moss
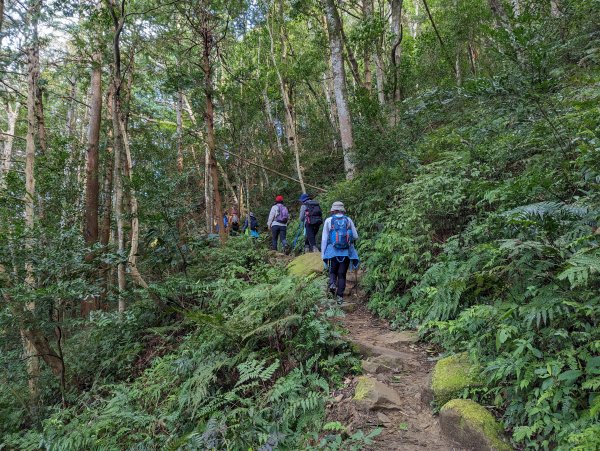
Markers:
point(364, 386)
point(451, 376)
point(479, 418)
point(306, 264)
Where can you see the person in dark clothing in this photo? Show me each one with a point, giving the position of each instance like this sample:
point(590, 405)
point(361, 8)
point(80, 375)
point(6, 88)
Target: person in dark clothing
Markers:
point(234, 222)
point(253, 229)
point(311, 218)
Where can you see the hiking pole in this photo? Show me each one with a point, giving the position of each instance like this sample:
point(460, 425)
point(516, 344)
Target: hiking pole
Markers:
point(297, 236)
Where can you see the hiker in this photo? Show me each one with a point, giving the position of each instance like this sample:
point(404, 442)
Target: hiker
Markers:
point(253, 229)
point(311, 217)
point(234, 221)
point(217, 226)
point(337, 248)
point(277, 223)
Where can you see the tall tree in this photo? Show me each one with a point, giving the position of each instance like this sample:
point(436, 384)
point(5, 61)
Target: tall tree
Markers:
point(290, 120)
point(12, 114)
point(334, 27)
point(92, 185)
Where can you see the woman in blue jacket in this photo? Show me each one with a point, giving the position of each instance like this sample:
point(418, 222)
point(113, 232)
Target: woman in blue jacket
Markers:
point(337, 248)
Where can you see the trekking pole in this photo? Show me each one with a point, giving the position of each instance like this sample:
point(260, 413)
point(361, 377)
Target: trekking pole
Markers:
point(297, 236)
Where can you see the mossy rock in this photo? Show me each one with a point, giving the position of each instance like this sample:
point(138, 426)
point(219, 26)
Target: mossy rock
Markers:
point(375, 395)
point(472, 425)
point(306, 264)
point(451, 376)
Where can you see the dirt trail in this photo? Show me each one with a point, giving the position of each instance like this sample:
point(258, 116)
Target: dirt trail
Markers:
point(410, 424)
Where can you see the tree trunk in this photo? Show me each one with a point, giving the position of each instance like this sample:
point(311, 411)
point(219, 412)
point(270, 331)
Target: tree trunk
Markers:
point(31, 356)
point(1, 19)
point(207, 198)
point(107, 190)
point(12, 116)
point(331, 109)
point(396, 54)
point(555, 9)
point(179, 113)
point(367, 9)
point(118, 207)
point(92, 185)
point(118, 23)
point(209, 116)
point(291, 135)
point(334, 26)
point(379, 76)
point(135, 221)
point(269, 112)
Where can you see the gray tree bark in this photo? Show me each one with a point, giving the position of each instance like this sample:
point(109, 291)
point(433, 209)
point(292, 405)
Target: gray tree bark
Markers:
point(334, 26)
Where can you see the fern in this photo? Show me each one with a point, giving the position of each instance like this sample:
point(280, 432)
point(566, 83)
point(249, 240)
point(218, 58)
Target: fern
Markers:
point(253, 369)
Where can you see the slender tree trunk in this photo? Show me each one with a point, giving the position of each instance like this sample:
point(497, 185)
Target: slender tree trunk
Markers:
point(119, 23)
point(12, 116)
point(291, 135)
point(331, 108)
point(555, 8)
point(92, 185)
point(1, 19)
point(209, 116)
point(31, 356)
point(118, 203)
point(457, 67)
point(227, 183)
point(208, 199)
point(179, 113)
point(269, 112)
point(379, 76)
point(367, 9)
point(396, 54)
point(108, 195)
point(135, 221)
point(353, 63)
point(339, 84)
point(39, 111)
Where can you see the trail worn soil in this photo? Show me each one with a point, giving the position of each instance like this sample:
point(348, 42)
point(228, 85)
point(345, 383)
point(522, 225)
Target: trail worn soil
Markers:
point(409, 426)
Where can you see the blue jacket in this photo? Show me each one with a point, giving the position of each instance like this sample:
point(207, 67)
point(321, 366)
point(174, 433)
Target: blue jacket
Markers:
point(328, 251)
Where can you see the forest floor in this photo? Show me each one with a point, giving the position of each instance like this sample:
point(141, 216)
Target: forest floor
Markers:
point(401, 363)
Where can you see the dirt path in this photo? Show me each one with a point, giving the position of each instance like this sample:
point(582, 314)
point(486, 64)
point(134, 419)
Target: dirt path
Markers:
point(403, 365)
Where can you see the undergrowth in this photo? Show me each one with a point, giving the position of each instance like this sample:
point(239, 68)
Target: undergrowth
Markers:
point(482, 229)
point(244, 360)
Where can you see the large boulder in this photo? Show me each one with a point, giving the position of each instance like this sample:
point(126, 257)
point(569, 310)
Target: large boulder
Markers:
point(451, 376)
point(306, 264)
point(374, 395)
point(472, 425)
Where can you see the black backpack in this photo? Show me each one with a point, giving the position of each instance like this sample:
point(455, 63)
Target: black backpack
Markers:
point(313, 213)
point(253, 223)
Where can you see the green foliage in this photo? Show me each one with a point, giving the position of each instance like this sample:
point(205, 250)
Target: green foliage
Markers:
point(250, 366)
point(489, 244)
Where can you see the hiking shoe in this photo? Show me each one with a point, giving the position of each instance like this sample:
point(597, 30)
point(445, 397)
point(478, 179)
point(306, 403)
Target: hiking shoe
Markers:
point(340, 300)
point(332, 288)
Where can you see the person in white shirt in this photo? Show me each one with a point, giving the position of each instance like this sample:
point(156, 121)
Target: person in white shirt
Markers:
point(277, 223)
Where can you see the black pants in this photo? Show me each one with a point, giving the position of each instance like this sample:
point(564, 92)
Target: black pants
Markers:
point(312, 230)
point(278, 231)
point(337, 274)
